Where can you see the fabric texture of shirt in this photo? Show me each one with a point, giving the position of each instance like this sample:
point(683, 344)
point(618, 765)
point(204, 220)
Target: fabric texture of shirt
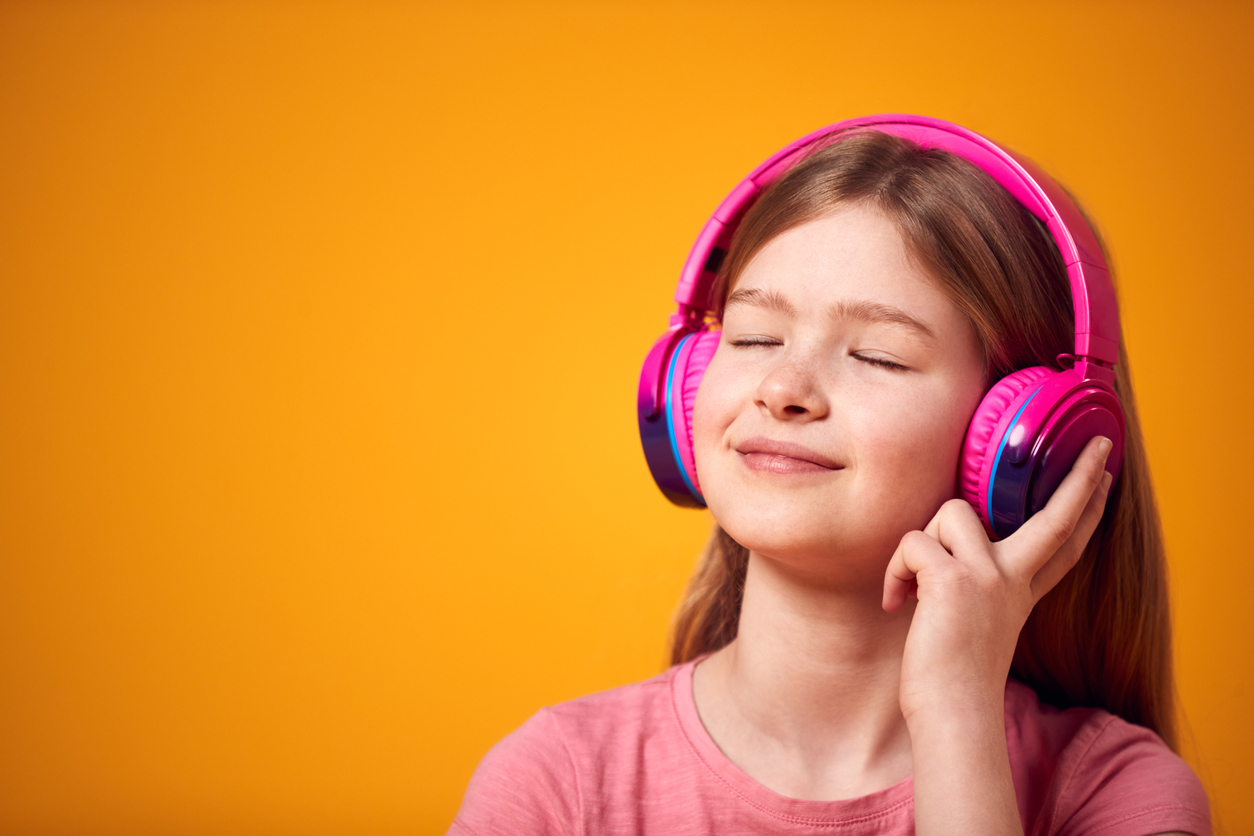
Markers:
point(637, 760)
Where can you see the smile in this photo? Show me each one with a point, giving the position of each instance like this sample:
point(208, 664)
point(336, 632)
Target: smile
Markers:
point(767, 456)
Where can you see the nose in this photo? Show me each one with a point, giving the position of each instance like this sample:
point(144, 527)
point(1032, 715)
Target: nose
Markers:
point(791, 391)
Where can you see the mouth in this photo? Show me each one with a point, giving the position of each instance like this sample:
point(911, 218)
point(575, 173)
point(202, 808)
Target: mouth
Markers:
point(768, 456)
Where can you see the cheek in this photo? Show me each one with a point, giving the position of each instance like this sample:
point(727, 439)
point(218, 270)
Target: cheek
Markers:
point(918, 444)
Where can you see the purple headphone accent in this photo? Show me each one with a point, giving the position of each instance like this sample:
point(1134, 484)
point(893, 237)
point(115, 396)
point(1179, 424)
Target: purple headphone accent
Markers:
point(1031, 425)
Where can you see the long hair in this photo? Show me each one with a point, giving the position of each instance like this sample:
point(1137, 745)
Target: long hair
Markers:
point(1102, 636)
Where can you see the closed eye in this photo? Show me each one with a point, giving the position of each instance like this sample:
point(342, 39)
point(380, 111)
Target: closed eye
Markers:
point(748, 342)
point(881, 362)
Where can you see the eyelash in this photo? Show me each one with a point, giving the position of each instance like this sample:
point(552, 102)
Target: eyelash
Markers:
point(887, 364)
point(872, 361)
point(744, 342)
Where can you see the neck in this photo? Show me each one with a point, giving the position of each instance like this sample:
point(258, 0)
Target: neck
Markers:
point(805, 699)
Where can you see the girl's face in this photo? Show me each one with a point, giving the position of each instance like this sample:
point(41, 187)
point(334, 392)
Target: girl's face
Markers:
point(832, 415)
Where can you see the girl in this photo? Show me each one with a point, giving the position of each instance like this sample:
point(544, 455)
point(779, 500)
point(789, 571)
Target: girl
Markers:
point(860, 651)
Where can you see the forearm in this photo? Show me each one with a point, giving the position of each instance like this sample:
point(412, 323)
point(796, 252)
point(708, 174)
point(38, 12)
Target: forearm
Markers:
point(962, 779)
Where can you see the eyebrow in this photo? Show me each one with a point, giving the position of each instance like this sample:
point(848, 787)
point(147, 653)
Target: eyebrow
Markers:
point(858, 311)
point(879, 313)
point(771, 300)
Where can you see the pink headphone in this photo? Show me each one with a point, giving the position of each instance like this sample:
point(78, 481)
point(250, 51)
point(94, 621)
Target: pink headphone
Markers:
point(1032, 424)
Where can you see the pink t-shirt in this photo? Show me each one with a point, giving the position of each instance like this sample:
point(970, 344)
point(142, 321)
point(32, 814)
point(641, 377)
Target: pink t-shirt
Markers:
point(638, 760)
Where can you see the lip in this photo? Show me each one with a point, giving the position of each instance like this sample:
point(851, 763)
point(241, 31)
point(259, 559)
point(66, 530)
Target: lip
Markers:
point(772, 456)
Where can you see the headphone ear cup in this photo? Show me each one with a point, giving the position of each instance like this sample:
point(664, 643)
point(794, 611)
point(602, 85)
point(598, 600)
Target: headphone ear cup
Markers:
point(692, 357)
point(980, 448)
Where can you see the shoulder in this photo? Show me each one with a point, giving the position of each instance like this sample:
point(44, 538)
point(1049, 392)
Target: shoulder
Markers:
point(533, 780)
point(599, 723)
point(1086, 771)
point(522, 785)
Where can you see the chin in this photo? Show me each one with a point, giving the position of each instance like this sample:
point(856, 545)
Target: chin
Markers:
point(790, 532)
point(822, 540)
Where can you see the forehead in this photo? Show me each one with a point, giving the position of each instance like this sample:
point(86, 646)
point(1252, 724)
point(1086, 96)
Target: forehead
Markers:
point(854, 256)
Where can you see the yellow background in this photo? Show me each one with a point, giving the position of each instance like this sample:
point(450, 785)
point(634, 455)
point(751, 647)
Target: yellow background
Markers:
point(319, 334)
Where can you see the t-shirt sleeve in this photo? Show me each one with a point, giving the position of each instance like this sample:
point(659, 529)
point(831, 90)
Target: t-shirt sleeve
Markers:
point(525, 784)
point(1122, 780)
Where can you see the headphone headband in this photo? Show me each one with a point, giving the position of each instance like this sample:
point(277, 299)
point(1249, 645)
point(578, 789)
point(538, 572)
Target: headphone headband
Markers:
point(1092, 293)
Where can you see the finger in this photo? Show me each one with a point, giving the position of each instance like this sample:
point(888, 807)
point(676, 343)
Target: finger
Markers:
point(899, 580)
point(932, 529)
point(957, 527)
point(1051, 528)
point(1066, 557)
point(915, 553)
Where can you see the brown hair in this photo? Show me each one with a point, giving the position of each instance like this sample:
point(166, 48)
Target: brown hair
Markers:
point(1102, 636)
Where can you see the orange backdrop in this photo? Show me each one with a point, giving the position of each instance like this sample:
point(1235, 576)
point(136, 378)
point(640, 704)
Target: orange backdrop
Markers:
point(319, 333)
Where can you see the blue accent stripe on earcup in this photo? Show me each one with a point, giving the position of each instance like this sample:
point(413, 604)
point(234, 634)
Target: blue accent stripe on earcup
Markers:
point(669, 409)
point(992, 476)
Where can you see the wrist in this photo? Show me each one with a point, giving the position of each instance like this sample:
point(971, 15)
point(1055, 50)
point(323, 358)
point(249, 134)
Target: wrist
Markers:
point(962, 777)
point(957, 709)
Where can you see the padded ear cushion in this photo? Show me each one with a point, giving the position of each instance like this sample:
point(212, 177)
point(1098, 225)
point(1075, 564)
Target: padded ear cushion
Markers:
point(979, 450)
point(692, 358)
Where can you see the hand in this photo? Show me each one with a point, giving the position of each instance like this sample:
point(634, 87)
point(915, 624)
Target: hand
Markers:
point(974, 596)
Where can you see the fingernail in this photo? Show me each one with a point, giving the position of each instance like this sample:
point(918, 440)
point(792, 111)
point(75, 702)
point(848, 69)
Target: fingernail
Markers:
point(1103, 448)
point(1106, 480)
